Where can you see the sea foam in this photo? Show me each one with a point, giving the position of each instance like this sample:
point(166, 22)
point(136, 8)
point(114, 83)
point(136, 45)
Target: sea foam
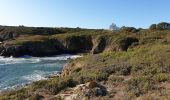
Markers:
point(35, 76)
point(30, 59)
point(16, 72)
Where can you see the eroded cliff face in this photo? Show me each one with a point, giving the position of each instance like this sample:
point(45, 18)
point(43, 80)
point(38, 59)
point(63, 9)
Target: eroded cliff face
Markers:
point(76, 44)
point(73, 44)
point(49, 47)
point(19, 41)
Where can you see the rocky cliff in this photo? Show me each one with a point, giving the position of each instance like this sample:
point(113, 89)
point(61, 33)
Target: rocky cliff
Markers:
point(18, 41)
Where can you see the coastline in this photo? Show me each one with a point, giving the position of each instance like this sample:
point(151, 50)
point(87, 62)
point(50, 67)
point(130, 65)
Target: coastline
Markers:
point(51, 75)
point(127, 64)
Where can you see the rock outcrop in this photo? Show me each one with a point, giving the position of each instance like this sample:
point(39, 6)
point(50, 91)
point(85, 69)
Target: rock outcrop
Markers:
point(99, 45)
point(77, 44)
point(125, 43)
point(86, 91)
point(70, 45)
point(33, 49)
point(19, 41)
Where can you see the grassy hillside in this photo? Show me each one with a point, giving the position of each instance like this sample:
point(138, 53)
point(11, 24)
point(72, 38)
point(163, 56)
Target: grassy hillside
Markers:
point(130, 64)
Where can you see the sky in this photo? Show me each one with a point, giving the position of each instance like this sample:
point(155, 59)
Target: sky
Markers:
point(84, 13)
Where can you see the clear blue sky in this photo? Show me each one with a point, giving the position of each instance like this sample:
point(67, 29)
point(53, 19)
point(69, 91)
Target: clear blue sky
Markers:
point(84, 13)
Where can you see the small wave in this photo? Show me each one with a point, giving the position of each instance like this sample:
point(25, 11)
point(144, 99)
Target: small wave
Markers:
point(27, 79)
point(61, 57)
point(11, 60)
point(9, 88)
point(33, 73)
point(35, 76)
point(30, 59)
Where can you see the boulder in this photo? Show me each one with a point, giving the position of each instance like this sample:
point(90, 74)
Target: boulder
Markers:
point(87, 91)
point(91, 85)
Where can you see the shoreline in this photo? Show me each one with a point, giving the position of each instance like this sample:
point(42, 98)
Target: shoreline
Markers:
point(51, 75)
point(25, 85)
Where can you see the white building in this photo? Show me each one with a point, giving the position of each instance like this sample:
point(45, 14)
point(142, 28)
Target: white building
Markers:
point(113, 27)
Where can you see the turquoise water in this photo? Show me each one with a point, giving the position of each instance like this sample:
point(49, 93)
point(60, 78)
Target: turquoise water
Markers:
point(16, 72)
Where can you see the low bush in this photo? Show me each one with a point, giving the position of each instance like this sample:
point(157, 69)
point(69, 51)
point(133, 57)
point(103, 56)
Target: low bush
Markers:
point(55, 86)
point(36, 97)
point(161, 77)
point(128, 29)
point(116, 79)
point(140, 85)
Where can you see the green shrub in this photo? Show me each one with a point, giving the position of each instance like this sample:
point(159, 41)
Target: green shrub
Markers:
point(140, 85)
point(56, 86)
point(152, 27)
point(116, 79)
point(102, 77)
point(15, 95)
point(85, 79)
point(163, 26)
point(38, 84)
point(36, 97)
point(123, 69)
point(128, 29)
point(58, 98)
point(161, 77)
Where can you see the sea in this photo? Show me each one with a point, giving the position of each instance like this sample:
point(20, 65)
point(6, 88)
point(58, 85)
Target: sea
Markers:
point(17, 72)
